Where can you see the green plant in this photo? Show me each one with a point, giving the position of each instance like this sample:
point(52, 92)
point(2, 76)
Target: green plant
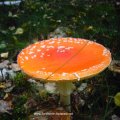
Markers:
point(20, 79)
point(19, 112)
point(117, 99)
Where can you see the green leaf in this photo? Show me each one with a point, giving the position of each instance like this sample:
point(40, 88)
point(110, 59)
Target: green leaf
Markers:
point(19, 31)
point(117, 99)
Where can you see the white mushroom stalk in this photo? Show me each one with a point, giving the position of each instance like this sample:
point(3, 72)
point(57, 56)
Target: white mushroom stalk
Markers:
point(65, 89)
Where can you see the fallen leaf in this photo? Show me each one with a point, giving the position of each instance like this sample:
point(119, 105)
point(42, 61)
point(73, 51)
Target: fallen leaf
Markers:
point(4, 64)
point(4, 55)
point(5, 106)
point(115, 117)
point(9, 89)
point(15, 67)
point(6, 96)
point(31, 103)
point(2, 86)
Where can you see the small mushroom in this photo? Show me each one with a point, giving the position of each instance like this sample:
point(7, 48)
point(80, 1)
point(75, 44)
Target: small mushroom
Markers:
point(64, 60)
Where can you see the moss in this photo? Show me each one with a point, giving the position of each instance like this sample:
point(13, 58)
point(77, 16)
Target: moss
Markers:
point(19, 112)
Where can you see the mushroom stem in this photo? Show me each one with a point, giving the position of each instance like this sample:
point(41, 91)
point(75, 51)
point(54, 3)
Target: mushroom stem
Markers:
point(65, 89)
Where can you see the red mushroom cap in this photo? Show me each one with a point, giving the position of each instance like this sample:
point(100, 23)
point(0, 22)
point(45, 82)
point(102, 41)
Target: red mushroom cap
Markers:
point(64, 59)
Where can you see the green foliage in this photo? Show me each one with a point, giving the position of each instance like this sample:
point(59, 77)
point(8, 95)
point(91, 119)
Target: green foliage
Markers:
point(20, 79)
point(39, 18)
point(117, 99)
point(19, 112)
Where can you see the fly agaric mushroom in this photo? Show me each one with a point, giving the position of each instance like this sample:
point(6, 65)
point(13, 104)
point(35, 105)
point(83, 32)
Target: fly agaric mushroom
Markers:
point(64, 60)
